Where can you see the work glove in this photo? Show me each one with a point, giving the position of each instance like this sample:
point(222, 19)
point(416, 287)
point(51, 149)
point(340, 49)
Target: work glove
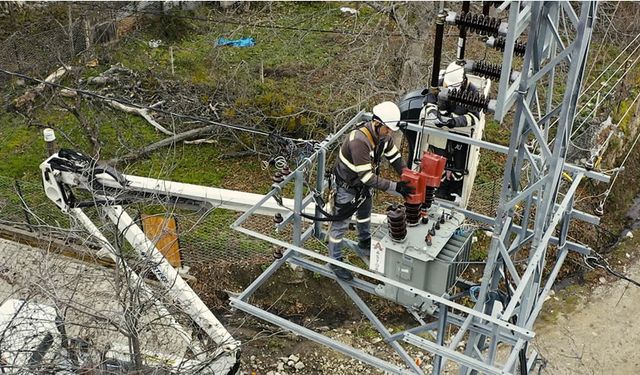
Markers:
point(403, 188)
point(449, 123)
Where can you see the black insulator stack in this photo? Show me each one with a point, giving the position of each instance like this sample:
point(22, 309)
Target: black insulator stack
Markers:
point(471, 100)
point(437, 50)
point(397, 218)
point(479, 23)
point(487, 69)
point(518, 49)
point(429, 196)
point(413, 213)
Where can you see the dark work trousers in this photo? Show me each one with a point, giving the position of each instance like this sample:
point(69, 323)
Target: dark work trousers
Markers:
point(339, 228)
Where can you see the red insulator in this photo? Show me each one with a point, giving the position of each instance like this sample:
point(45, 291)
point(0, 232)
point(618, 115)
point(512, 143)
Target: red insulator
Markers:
point(414, 180)
point(432, 165)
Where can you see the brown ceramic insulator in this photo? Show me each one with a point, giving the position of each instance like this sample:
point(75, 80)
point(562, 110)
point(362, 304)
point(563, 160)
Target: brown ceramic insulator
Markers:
point(277, 253)
point(413, 214)
point(397, 218)
point(277, 218)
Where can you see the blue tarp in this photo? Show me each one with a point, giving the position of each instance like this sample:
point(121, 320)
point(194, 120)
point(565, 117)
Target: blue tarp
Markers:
point(242, 42)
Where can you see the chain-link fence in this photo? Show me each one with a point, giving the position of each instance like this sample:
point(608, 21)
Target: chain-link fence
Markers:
point(204, 236)
point(36, 52)
point(36, 55)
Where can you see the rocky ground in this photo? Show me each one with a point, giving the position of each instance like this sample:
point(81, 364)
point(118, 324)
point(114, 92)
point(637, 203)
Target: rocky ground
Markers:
point(600, 336)
point(587, 329)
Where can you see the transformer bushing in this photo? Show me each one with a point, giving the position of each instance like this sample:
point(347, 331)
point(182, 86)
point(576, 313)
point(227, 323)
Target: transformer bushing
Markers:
point(397, 218)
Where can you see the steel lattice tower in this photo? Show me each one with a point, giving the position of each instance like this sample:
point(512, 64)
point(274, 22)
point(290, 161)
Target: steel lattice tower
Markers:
point(532, 206)
point(534, 212)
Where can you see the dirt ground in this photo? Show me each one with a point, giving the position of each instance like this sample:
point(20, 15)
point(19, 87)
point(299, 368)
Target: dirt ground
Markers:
point(600, 336)
point(584, 330)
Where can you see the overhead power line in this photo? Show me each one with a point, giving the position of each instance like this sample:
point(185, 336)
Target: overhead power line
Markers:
point(263, 26)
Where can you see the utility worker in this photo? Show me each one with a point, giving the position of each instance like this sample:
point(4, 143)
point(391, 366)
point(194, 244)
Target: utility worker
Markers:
point(452, 116)
point(356, 172)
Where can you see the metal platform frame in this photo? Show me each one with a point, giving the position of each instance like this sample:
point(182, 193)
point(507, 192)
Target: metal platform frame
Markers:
point(534, 211)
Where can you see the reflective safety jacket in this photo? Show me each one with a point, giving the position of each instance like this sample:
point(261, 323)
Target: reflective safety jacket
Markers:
point(359, 158)
point(460, 115)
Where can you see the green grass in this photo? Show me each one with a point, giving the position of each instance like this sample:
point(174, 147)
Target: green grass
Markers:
point(22, 149)
point(285, 72)
point(196, 164)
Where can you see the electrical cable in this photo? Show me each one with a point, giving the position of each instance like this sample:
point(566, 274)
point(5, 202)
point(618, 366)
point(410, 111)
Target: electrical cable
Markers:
point(607, 94)
point(608, 66)
point(574, 131)
point(605, 37)
point(274, 27)
point(169, 113)
point(604, 83)
point(615, 177)
point(599, 262)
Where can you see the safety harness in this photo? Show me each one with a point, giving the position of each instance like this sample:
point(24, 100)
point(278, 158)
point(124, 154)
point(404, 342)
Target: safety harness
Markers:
point(346, 210)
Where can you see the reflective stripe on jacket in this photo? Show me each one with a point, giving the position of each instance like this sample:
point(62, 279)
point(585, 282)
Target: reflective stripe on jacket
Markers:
point(357, 155)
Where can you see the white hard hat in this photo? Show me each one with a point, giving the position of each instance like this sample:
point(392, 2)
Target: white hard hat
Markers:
point(388, 113)
point(454, 75)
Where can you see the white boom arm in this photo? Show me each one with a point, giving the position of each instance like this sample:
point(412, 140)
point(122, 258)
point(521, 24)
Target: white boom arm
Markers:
point(65, 170)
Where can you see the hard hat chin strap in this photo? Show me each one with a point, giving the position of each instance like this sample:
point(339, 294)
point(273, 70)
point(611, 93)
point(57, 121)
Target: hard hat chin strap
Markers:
point(378, 119)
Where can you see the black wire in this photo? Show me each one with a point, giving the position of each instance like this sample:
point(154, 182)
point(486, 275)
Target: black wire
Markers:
point(600, 262)
point(126, 102)
point(621, 276)
point(275, 27)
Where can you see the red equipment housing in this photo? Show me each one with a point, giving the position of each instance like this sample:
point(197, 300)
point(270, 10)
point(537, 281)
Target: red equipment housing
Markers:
point(416, 180)
point(432, 166)
point(431, 169)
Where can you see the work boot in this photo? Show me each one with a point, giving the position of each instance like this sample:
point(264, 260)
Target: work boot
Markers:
point(341, 273)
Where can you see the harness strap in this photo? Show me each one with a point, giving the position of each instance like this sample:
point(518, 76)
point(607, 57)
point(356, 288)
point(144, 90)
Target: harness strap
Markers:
point(349, 208)
point(369, 136)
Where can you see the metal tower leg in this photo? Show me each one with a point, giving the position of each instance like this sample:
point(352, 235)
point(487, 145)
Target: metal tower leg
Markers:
point(540, 189)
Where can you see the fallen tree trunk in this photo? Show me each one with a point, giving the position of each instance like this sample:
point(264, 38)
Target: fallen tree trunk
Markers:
point(191, 134)
point(142, 112)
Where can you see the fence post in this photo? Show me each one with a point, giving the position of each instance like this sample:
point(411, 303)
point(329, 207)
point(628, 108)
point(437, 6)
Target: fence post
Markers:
point(50, 140)
point(15, 52)
point(25, 208)
point(171, 55)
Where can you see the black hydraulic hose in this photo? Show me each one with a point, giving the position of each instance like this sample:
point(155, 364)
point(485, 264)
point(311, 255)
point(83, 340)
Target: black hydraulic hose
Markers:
point(522, 356)
point(437, 50)
point(462, 36)
point(337, 217)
